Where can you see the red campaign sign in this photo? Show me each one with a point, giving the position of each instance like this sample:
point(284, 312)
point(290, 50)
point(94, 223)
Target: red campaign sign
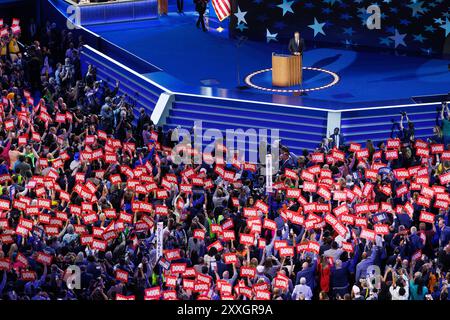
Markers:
point(262, 295)
point(255, 225)
point(401, 173)
point(426, 217)
point(201, 287)
point(391, 154)
point(442, 195)
point(393, 143)
point(357, 191)
point(188, 284)
point(203, 278)
point(423, 201)
point(326, 174)
point(216, 228)
point(362, 154)
point(297, 218)
point(371, 174)
point(420, 144)
point(4, 205)
point(173, 254)
point(120, 297)
point(26, 223)
point(330, 219)
point(368, 234)
point(250, 167)
point(186, 188)
point(5, 264)
point(261, 243)
point(354, 147)
point(374, 207)
point(230, 258)
point(269, 224)
point(44, 258)
point(437, 148)
point(22, 259)
point(314, 246)
point(287, 252)
point(263, 207)
point(291, 174)
point(227, 224)
point(315, 170)
point(323, 207)
point(402, 190)
point(367, 189)
point(197, 181)
point(362, 208)
point(246, 239)
point(338, 155)
point(339, 196)
point(387, 207)
point(382, 229)
point(250, 213)
point(423, 180)
point(199, 234)
point(444, 178)
point(169, 295)
point(29, 275)
point(422, 152)
point(342, 209)
point(360, 222)
point(86, 239)
point(115, 179)
point(347, 246)
point(99, 245)
point(293, 193)
point(307, 176)
point(347, 219)
point(152, 293)
point(280, 244)
point(324, 193)
point(340, 229)
point(317, 157)
point(171, 281)
point(159, 209)
point(308, 187)
point(309, 207)
point(427, 192)
point(9, 125)
point(441, 204)
point(249, 272)
point(122, 276)
point(126, 217)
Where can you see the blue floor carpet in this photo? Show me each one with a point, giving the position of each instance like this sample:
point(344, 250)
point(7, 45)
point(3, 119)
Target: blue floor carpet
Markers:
point(194, 58)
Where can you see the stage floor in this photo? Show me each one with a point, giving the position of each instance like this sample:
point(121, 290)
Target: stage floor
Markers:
point(207, 63)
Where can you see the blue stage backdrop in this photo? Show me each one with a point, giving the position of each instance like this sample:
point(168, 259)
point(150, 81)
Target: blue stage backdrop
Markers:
point(417, 26)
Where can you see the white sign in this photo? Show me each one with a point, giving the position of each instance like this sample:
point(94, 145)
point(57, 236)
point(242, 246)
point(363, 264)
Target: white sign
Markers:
point(269, 173)
point(159, 240)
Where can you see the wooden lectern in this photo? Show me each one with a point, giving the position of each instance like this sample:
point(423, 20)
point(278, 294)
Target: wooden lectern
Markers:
point(286, 70)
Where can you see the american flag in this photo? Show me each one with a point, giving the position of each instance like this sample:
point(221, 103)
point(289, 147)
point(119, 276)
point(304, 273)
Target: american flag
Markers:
point(222, 8)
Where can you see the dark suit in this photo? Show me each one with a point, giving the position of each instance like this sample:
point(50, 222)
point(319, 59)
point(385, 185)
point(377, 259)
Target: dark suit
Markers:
point(200, 7)
point(294, 47)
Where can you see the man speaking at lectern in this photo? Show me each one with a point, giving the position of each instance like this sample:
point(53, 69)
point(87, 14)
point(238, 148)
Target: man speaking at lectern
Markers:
point(296, 45)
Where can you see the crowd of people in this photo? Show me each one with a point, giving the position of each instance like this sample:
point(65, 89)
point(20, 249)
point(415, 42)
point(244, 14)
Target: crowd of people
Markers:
point(94, 207)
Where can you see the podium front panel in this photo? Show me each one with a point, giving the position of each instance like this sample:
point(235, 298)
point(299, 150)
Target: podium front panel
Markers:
point(286, 70)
